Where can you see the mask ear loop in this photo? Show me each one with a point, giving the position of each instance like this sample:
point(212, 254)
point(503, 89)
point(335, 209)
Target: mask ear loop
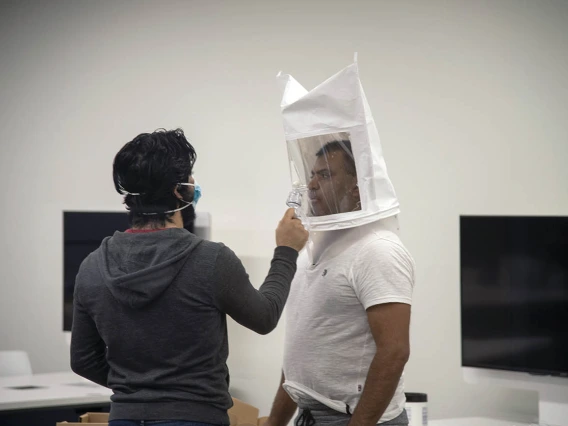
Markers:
point(125, 192)
point(187, 204)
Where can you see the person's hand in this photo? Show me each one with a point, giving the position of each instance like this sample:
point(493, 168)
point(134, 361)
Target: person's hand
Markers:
point(291, 232)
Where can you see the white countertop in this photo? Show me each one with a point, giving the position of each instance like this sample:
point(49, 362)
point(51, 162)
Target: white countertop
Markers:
point(68, 389)
point(50, 390)
point(475, 421)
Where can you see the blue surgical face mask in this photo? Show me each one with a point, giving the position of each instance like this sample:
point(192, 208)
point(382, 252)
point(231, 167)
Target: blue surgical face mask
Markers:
point(196, 192)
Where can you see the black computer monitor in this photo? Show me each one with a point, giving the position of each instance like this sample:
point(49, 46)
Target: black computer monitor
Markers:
point(514, 293)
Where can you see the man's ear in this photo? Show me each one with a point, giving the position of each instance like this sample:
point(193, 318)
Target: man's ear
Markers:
point(176, 193)
point(179, 196)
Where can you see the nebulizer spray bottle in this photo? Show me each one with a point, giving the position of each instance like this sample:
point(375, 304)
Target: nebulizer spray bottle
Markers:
point(295, 201)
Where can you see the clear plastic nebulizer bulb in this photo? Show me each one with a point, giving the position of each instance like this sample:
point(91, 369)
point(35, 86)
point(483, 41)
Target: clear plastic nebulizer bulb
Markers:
point(295, 201)
point(295, 198)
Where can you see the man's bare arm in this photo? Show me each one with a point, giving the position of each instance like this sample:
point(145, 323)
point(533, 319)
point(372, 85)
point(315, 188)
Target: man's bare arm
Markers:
point(283, 408)
point(390, 325)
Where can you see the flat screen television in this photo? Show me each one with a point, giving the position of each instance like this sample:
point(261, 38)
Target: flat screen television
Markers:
point(514, 293)
point(83, 233)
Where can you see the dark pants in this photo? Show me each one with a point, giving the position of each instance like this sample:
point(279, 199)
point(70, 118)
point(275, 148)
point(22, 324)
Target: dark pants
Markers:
point(156, 423)
point(312, 413)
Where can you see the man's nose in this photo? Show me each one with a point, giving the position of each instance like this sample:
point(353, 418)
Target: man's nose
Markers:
point(313, 184)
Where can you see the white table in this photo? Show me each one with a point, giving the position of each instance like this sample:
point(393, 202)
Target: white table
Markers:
point(474, 421)
point(67, 389)
point(50, 390)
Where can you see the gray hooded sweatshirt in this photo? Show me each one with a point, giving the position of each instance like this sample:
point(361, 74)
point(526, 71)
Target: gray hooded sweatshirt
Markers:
point(149, 321)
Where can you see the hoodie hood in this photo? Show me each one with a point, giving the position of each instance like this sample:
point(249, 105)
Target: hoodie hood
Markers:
point(138, 268)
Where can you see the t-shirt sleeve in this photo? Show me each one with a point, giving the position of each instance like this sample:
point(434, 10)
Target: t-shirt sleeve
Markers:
point(383, 272)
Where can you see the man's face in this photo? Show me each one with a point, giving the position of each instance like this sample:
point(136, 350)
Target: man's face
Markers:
point(332, 189)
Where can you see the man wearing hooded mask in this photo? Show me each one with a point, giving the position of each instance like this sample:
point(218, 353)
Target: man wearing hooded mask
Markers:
point(348, 316)
point(150, 304)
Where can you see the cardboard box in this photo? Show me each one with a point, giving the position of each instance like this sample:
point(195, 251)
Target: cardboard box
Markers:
point(93, 419)
point(241, 414)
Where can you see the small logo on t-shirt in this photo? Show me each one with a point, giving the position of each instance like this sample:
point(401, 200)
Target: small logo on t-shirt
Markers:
point(324, 273)
point(359, 388)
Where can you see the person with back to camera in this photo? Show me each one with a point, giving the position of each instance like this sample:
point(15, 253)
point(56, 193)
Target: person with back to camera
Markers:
point(150, 304)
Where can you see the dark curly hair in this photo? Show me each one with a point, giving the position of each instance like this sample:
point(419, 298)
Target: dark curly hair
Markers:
point(152, 165)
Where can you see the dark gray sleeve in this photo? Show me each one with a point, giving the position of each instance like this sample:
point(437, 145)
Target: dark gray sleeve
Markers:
point(234, 294)
point(88, 350)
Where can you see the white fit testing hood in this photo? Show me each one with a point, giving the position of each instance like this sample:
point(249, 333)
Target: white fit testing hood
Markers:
point(335, 153)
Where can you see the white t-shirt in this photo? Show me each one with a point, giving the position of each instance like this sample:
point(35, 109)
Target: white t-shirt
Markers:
point(329, 346)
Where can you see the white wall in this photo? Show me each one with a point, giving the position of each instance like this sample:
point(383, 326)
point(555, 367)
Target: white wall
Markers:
point(471, 99)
